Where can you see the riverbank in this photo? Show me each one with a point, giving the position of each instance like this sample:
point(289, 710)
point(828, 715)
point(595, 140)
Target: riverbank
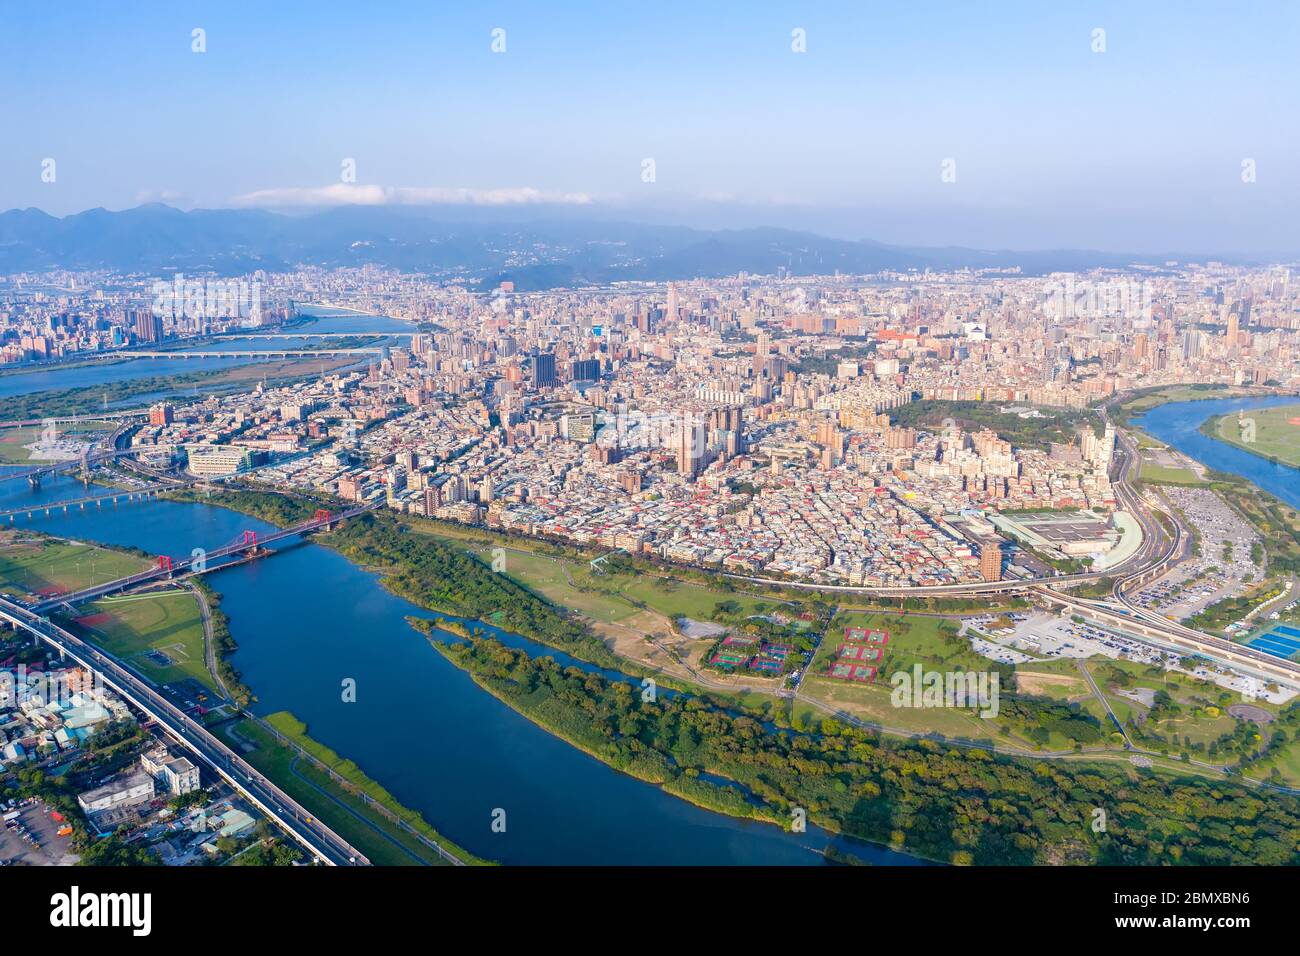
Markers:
point(455, 584)
point(1271, 433)
point(352, 804)
point(89, 399)
point(422, 570)
point(565, 722)
point(971, 807)
point(851, 781)
point(1178, 425)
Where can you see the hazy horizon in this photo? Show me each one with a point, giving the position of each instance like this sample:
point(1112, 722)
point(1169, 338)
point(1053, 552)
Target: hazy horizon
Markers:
point(1022, 128)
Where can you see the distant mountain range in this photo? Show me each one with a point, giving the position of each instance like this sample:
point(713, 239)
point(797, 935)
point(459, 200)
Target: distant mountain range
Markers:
point(478, 245)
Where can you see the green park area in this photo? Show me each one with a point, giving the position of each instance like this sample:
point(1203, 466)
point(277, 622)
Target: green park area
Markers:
point(913, 639)
point(1186, 717)
point(342, 796)
point(607, 593)
point(1272, 433)
point(160, 634)
point(1031, 427)
point(1161, 466)
point(35, 566)
point(1044, 705)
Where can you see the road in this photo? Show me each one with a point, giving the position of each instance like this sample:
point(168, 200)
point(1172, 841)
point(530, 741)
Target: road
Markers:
point(1162, 632)
point(320, 841)
point(1096, 691)
point(202, 560)
point(209, 641)
point(1084, 754)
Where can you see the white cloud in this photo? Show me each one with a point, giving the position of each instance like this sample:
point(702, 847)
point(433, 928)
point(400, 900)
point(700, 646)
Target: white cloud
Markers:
point(171, 197)
point(355, 194)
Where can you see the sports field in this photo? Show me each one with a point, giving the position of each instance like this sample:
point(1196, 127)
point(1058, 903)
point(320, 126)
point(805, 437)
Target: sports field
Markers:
point(1276, 432)
point(14, 440)
point(161, 634)
point(33, 567)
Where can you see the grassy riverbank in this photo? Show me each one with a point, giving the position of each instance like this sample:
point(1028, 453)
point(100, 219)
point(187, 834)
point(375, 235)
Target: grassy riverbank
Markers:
point(963, 806)
point(563, 718)
point(926, 797)
point(1271, 433)
point(339, 793)
point(425, 571)
point(88, 399)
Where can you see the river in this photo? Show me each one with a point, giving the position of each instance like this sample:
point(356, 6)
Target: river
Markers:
point(1178, 424)
point(307, 618)
point(107, 371)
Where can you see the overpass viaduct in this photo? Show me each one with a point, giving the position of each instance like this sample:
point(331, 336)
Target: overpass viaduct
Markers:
point(322, 843)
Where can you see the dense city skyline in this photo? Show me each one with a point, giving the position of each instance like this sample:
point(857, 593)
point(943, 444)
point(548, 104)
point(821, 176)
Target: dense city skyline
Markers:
point(594, 443)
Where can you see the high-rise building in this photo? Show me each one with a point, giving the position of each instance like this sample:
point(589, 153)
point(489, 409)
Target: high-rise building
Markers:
point(544, 370)
point(585, 370)
point(761, 346)
point(691, 442)
point(148, 327)
point(991, 559)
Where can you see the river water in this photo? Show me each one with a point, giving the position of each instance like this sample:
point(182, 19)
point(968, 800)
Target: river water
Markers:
point(307, 618)
point(1178, 424)
point(108, 372)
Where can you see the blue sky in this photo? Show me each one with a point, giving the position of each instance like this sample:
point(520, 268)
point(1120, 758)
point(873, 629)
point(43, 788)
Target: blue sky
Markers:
point(1137, 148)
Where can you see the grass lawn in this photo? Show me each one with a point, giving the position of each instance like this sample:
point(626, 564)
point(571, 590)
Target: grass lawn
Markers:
point(871, 703)
point(913, 639)
point(133, 626)
point(1287, 762)
point(36, 567)
point(1176, 393)
point(1148, 470)
point(1194, 721)
point(601, 596)
point(340, 808)
point(1277, 432)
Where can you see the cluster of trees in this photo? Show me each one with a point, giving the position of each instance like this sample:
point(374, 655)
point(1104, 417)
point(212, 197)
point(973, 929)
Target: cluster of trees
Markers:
point(115, 732)
point(734, 614)
point(919, 796)
point(434, 575)
point(1038, 717)
point(1058, 424)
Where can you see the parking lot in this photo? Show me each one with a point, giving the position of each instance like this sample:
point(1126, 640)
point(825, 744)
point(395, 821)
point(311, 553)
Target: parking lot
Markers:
point(32, 839)
point(1221, 570)
point(1054, 636)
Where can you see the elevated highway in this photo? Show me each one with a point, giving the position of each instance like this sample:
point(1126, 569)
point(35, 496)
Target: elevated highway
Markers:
point(1160, 630)
point(322, 843)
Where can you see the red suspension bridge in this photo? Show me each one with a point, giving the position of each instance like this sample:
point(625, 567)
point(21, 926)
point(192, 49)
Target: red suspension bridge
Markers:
point(201, 560)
